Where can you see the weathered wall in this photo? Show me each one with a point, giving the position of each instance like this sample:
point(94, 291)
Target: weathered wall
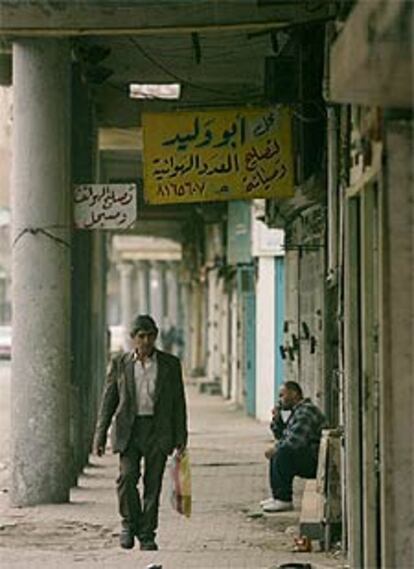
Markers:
point(397, 349)
point(305, 303)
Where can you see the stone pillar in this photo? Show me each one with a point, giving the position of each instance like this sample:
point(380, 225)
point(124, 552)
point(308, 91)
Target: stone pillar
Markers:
point(198, 336)
point(171, 321)
point(142, 285)
point(41, 272)
point(212, 338)
point(185, 324)
point(125, 271)
point(148, 286)
point(84, 368)
point(224, 323)
point(172, 292)
point(235, 344)
point(193, 327)
point(397, 349)
point(157, 292)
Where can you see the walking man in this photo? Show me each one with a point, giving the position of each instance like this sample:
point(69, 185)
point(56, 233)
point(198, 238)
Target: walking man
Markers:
point(144, 393)
point(296, 453)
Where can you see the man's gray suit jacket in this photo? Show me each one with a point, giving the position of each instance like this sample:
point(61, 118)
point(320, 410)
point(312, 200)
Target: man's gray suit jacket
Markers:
point(119, 402)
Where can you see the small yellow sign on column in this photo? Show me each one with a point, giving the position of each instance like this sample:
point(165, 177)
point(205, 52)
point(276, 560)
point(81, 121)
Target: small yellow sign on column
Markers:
point(217, 155)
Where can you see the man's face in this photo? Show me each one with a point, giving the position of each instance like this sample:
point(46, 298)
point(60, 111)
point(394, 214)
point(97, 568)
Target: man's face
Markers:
point(144, 342)
point(287, 398)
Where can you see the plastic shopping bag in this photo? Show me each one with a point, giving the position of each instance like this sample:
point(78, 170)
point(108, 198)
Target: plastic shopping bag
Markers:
point(180, 479)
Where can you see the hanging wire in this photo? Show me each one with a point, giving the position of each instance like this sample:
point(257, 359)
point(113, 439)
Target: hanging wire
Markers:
point(43, 231)
point(149, 57)
point(213, 49)
point(306, 119)
point(312, 119)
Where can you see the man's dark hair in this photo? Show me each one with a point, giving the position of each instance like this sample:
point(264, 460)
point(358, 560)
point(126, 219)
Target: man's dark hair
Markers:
point(143, 323)
point(293, 386)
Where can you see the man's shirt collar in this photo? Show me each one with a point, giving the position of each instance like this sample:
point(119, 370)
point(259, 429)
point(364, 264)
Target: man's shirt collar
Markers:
point(151, 358)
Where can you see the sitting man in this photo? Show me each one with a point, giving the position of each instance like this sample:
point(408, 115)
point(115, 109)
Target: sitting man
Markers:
point(296, 453)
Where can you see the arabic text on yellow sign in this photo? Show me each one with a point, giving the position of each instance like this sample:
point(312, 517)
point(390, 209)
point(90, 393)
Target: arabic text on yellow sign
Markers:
point(217, 155)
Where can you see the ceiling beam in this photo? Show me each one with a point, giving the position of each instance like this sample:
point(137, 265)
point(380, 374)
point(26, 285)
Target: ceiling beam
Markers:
point(116, 110)
point(64, 18)
point(160, 229)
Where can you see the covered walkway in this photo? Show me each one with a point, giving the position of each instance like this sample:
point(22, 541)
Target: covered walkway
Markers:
point(229, 479)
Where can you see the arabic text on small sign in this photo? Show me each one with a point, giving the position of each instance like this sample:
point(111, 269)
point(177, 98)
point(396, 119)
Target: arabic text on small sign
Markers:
point(105, 206)
point(217, 155)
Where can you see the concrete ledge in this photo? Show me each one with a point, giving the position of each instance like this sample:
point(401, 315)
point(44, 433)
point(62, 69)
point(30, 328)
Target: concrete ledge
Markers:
point(311, 515)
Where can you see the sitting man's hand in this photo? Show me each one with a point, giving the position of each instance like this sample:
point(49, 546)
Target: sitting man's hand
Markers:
point(275, 413)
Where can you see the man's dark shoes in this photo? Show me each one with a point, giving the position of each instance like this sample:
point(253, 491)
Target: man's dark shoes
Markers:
point(126, 538)
point(148, 546)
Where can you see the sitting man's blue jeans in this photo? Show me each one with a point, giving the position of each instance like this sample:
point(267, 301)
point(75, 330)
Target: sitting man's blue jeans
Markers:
point(287, 463)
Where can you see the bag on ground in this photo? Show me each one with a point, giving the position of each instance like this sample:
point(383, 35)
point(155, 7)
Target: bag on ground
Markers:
point(180, 489)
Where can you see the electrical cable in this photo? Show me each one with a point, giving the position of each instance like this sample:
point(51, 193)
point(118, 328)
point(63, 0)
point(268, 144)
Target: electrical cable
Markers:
point(230, 96)
point(42, 230)
point(322, 114)
point(306, 119)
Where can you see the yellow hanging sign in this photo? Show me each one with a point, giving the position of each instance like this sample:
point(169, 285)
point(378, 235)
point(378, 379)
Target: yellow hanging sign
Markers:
point(217, 155)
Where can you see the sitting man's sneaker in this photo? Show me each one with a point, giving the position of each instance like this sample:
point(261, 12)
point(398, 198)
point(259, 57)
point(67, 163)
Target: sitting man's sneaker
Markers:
point(148, 546)
point(266, 501)
point(127, 538)
point(278, 506)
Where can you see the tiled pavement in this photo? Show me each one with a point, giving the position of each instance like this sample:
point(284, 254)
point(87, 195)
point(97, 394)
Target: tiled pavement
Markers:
point(229, 478)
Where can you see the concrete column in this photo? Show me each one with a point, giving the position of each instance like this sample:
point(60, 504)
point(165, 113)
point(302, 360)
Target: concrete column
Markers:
point(213, 337)
point(41, 272)
point(234, 345)
point(192, 324)
point(98, 330)
point(125, 271)
point(134, 290)
point(185, 323)
point(157, 292)
point(85, 369)
point(196, 328)
point(182, 293)
point(397, 350)
point(171, 309)
point(224, 323)
point(147, 284)
point(143, 289)
point(265, 338)
point(171, 280)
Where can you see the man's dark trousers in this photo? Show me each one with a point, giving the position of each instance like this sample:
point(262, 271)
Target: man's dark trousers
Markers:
point(142, 519)
point(287, 463)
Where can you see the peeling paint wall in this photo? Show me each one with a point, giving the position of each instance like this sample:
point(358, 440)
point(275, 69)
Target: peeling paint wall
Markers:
point(304, 331)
